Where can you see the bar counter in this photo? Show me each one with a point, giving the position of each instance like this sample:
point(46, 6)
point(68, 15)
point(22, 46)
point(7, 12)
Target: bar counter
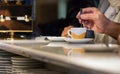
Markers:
point(92, 58)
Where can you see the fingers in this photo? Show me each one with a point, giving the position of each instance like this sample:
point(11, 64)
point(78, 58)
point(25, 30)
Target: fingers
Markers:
point(64, 33)
point(87, 24)
point(88, 14)
point(78, 15)
point(88, 17)
point(89, 10)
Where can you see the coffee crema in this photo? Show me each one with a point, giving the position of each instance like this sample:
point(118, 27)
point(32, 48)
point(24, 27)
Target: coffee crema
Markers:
point(81, 36)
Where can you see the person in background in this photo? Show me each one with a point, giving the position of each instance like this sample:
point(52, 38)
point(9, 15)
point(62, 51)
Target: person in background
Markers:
point(97, 21)
point(74, 7)
point(59, 27)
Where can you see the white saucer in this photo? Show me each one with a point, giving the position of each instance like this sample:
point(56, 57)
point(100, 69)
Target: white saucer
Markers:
point(56, 38)
point(85, 40)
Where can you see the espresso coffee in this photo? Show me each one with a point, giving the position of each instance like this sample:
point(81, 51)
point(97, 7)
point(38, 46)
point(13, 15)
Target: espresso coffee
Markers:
point(75, 36)
point(77, 33)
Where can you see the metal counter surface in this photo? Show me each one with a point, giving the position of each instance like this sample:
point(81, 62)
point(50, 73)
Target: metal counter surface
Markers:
point(100, 58)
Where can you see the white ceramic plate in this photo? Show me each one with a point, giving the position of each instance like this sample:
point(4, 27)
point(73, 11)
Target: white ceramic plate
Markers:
point(85, 40)
point(56, 38)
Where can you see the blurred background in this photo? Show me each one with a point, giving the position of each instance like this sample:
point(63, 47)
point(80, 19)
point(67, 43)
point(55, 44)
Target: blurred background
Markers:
point(42, 17)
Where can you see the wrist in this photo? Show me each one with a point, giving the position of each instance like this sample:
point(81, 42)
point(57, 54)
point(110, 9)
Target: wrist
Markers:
point(108, 27)
point(118, 39)
point(112, 29)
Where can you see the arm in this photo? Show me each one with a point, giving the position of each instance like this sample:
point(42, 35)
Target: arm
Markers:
point(113, 30)
point(98, 22)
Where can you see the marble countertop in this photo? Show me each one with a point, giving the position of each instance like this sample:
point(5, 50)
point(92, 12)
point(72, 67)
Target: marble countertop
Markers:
point(90, 57)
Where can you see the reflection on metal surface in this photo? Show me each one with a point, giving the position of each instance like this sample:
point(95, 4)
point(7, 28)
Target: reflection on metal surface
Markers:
point(83, 49)
point(9, 18)
point(2, 18)
point(9, 21)
point(82, 56)
point(77, 51)
point(27, 19)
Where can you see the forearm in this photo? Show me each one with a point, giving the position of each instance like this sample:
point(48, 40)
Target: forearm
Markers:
point(113, 29)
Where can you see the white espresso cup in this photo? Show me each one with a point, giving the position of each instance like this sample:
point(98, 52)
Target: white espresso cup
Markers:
point(77, 33)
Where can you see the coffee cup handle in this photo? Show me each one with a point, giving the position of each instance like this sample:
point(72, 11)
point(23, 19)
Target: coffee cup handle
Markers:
point(69, 33)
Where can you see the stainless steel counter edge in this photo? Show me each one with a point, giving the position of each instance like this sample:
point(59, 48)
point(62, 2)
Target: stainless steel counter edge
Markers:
point(48, 57)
